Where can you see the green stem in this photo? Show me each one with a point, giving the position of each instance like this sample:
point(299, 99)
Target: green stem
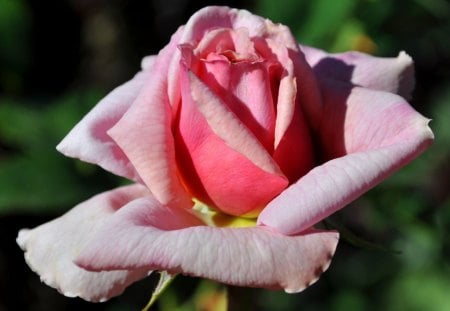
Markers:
point(165, 280)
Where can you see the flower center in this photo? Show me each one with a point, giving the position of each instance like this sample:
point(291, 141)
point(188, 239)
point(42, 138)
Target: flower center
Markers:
point(234, 57)
point(214, 218)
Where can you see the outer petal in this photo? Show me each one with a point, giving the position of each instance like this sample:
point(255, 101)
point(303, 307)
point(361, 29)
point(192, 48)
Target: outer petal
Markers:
point(257, 256)
point(394, 74)
point(369, 135)
point(145, 136)
point(89, 141)
point(51, 248)
point(148, 62)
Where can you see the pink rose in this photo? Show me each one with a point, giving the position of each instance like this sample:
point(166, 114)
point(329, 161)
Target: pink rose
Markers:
point(234, 114)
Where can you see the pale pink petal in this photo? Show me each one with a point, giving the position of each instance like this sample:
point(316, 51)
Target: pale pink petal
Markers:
point(51, 248)
point(214, 17)
point(224, 40)
point(148, 62)
point(395, 74)
point(223, 163)
point(358, 119)
point(257, 256)
point(365, 136)
point(89, 141)
point(145, 136)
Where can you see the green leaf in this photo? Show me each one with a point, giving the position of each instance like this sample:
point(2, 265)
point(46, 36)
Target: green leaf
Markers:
point(288, 12)
point(34, 177)
point(423, 289)
point(324, 20)
point(22, 128)
point(15, 22)
point(35, 184)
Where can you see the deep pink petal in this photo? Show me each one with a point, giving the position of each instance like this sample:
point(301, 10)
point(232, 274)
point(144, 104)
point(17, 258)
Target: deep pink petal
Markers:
point(293, 86)
point(245, 88)
point(275, 43)
point(51, 248)
point(293, 147)
point(89, 141)
point(395, 74)
point(223, 163)
point(294, 153)
point(257, 257)
point(365, 136)
point(145, 136)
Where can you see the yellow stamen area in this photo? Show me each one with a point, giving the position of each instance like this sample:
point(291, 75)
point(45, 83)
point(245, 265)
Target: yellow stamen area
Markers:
point(214, 218)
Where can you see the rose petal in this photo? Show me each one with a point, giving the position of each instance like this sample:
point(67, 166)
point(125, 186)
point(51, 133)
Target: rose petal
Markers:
point(51, 248)
point(294, 85)
point(373, 133)
point(395, 74)
point(214, 17)
point(222, 162)
point(294, 153)
point(257, 256)
point(88, 140)
point(148, 62)
point(274, 41)
point(358, 119)
point(144, 134)
point(243, 87)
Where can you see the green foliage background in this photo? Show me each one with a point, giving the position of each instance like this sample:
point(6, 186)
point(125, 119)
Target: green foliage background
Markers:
point(58, 58)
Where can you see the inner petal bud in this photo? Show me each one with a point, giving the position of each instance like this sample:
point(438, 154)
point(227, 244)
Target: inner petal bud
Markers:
point(235, 57)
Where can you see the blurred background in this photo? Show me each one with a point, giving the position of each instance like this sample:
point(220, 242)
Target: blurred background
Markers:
point(59, 57)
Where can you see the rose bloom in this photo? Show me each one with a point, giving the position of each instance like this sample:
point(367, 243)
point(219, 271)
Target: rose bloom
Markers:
point(238, 141)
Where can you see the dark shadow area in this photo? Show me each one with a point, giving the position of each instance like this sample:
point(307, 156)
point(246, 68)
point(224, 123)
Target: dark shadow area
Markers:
point(334, 78)
point(55, 47)
point(332, 68)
